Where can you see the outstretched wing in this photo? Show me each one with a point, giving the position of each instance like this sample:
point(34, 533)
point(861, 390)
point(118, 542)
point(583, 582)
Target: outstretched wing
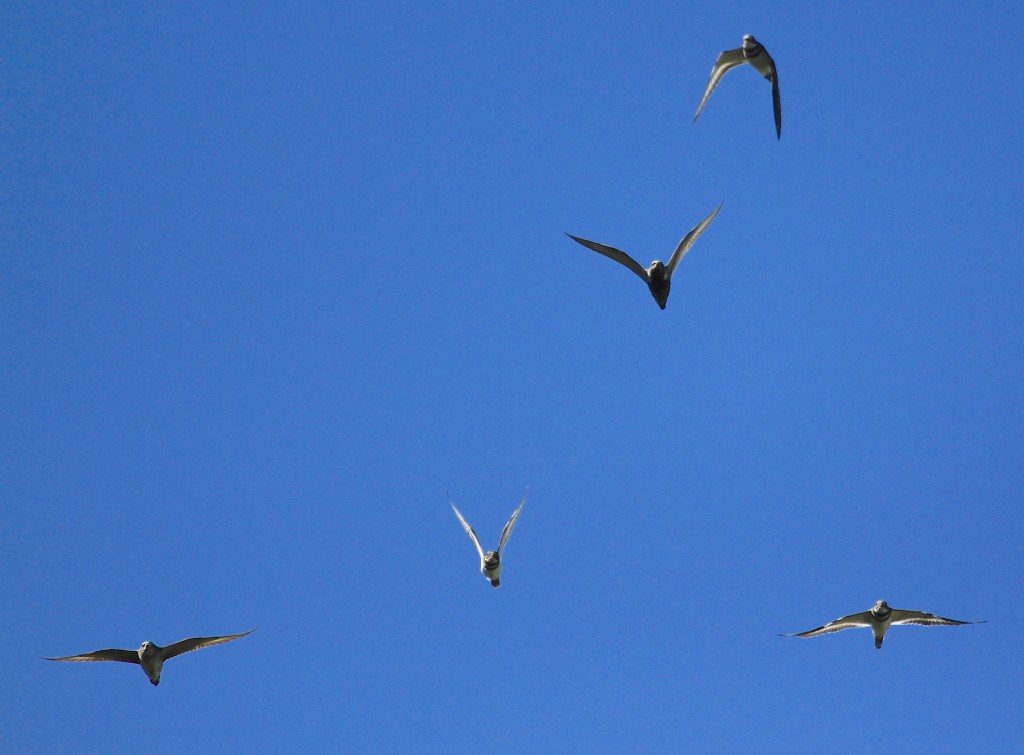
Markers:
point(509, 526)
point(195, 643)
point(776, 97)
point(124, 656)
point(926, 619)
point(688, 239)
point(469, 530)
point(728, 59)
point(862, 619)
point(616, 254)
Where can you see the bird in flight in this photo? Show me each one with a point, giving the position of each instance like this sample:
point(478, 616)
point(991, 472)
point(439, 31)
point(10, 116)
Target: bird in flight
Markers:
point(752, 52)
point(658, 276)
point(880, 618)
point(151, 656)
point(490, 562)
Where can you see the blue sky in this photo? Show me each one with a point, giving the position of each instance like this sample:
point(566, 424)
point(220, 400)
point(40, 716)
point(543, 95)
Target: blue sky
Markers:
point(273, 280)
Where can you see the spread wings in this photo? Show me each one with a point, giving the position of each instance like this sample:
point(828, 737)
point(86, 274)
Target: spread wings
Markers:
point(112, 654)
point(689, 239)
point(616, 254)
point(926, 619)
point(469, 530)
point(195, 643)
point(509, 526)
point(726, 61)
point(862, 619)
point(776, 97)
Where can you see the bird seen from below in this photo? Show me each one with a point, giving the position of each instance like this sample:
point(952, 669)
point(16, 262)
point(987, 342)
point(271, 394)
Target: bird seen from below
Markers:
point(752, 52)
point(490, 561)
point(151, 656)
point(658, 276)
point(880, 618)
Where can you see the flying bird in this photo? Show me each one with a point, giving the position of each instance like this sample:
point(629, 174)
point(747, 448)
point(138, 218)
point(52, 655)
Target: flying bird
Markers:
point(490, 562)
point(151, 656)
point(752, 52)
point(658, 276)
point(880, 618)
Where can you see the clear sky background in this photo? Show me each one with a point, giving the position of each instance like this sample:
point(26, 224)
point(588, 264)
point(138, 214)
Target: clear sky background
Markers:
point(273, 280)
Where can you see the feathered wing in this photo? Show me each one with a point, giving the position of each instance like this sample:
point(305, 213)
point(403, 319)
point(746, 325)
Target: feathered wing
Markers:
point(728, 59)
point(124, 656)
point(195, 643)
point(469, 530)
point(616, 254)
point(776, 97)
point(926, 619)
point(509, 526)
point(689, 239)
point(862, 619)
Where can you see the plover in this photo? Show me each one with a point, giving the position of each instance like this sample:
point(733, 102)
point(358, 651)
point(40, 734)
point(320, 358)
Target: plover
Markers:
point(490, 562)
point(880, 618)
point(658, 276)
point(151, 656)
point(752, 52)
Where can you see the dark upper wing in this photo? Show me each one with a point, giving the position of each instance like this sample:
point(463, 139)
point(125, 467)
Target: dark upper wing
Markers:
point(728, 59)
point(615, 254)
point(927, 619)
point(195, 643)
point(124, 656)
point(776, 97)
point(509, 526)
point(688, 239)
point(862, 619)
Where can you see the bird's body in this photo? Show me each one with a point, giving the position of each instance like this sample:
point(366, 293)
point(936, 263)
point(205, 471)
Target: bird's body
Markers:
point(879, 618)
point(751, 52)
point(490, 561)
point(151, 656)
point(658, 276)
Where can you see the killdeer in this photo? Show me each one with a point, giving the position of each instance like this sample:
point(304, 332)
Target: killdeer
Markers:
point(752, 52)
point(490, 562)
point(151, 656)
point(880, 618)
point(658, 276)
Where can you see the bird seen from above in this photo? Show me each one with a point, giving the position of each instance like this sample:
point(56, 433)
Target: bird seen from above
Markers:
point(752, 52)
point(490, 561)
point(880, 618)
point(151, 656)
point(658, 276)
